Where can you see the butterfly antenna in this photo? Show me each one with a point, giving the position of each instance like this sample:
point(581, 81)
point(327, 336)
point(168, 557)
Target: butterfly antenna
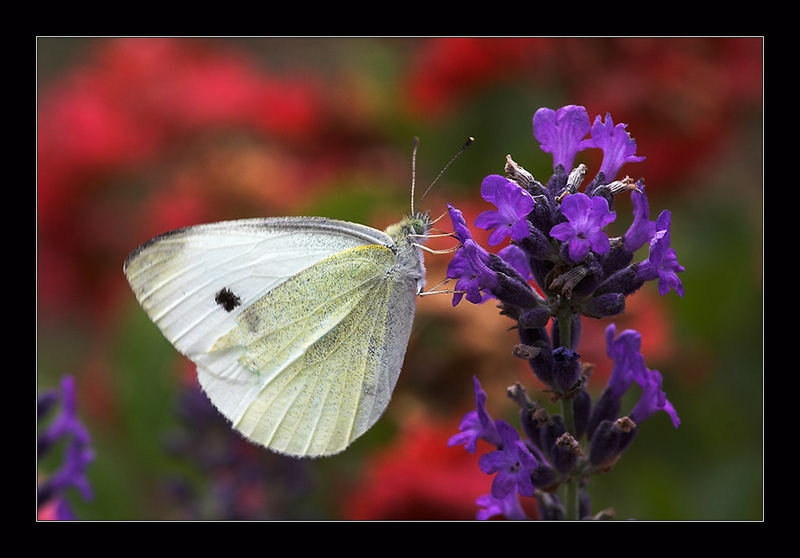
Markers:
point(413, 170)
point(470, 141)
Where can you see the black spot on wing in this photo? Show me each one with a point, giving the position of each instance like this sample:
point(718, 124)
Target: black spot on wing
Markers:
point(227, 299)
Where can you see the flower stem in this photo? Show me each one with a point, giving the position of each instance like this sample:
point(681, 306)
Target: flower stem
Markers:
point(571, 500)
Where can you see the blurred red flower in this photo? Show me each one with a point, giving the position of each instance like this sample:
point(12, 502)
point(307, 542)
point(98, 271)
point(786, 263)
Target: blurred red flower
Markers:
point(680, 96)
point(115, 131)
point(419, 478)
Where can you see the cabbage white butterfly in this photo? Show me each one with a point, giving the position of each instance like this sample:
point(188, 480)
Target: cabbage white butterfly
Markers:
point(298, 325)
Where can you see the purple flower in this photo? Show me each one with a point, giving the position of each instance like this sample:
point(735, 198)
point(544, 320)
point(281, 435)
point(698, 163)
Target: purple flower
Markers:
point(470, 267)
point(476, 424)
point(515, 256)
point(513, 464)
point(663, 261)
point(513, 205)
point(617, 144)
point(459, 224)
point(562, 133)
point(653, 399)
point(642, 228)
point(78, 452)
point(584, 228)
point(509, 507)
point(628, 361)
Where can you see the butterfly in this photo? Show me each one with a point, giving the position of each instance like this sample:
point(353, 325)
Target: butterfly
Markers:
point(298, 326)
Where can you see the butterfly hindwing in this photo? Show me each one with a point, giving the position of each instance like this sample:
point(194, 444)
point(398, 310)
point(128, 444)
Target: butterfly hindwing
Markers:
point(318, 354)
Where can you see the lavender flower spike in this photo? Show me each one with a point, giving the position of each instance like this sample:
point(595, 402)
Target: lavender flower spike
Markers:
point(513, 205)
point(583, 230)
point(617, 144)
point(663, 262)
point(562, 133)
point(476, 424)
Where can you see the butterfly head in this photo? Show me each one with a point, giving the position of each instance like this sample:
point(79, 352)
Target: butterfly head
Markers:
point(414, 227)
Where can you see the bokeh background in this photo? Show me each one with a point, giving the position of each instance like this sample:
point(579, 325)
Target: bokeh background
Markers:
point(136, 136)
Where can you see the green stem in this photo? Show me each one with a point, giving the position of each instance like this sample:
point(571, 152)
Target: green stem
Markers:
point(571, 500)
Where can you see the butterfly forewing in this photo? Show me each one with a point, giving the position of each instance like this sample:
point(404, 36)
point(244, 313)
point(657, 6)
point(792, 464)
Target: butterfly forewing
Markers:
point(194, 282)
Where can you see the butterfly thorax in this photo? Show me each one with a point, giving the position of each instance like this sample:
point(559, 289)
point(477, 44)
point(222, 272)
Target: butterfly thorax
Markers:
point(408, 235)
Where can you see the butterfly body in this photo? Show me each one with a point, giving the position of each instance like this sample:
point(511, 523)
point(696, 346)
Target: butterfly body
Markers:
point(298, 325)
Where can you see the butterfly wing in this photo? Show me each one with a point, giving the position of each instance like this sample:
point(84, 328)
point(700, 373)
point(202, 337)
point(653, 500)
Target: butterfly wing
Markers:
point(194, 282)
point(297, 325)
point(314, 362)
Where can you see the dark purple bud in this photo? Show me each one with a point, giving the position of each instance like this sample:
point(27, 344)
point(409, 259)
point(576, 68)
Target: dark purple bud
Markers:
point(625, 281)
point(537, 244)
point(542, 365)
point(543, 476)
point(602, 306)
point(534, 317)
point(609, 439)
point(566, 370)
point(581, 407)
point(565, 453)
point(603, 446)
point(549, 432)
point(540, 269)
point(511, 287)
point(606, 408)
point(543, 213)
point(617, 257)
point(558, 181)
point(598, 180)
point(532, 419)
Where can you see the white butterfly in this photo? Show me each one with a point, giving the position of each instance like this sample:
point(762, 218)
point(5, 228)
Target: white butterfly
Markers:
point(298, 325)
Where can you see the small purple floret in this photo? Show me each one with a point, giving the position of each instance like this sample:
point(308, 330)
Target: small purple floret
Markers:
point(584, 228)
point(513, 205)
point(562, 133)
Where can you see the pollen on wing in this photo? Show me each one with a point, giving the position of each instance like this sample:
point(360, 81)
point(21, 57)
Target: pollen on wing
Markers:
point(227, 299)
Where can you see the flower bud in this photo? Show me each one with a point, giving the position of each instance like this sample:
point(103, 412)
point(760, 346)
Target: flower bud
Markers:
point(609, 439)
point(606, 408)
point(534, 317)
point(511, 287)
point(581, 406)
point(549, 432)
point(537, 245)
point(617, 257)
point(605, 305)
point(543, 476)
point(566, 370)
point(625, 281)
point(542, 365)
point(565, 453)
